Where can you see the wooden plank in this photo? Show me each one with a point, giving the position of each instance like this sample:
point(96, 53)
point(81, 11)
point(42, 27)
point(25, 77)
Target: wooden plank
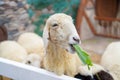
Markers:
point(5, 78)
point(107, 18)
point(0, 77)
point(79, 16)
point(106, 35)
point(19, 71)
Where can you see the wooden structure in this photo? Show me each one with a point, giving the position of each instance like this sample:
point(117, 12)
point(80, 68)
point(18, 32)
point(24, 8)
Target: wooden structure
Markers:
point(106, 13)
point(3, 33)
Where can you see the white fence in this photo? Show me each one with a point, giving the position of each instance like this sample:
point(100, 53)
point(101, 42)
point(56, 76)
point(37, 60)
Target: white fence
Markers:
point(19, 71)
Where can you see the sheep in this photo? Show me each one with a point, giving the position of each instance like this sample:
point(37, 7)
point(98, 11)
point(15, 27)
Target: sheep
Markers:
point(59, 34)
point(13, 51)
point(111, 58)
point(33, 59)
point(32, 43)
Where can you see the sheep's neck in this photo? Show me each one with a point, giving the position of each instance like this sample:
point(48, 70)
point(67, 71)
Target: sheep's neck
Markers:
point(56, 51)
point(59, 60)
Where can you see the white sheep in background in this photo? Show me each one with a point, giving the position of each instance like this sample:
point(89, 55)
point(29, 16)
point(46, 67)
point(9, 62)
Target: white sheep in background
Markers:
point(13, 51)
point(111, 58)
point(59, 35)
point(33, 59)
point(32, 43)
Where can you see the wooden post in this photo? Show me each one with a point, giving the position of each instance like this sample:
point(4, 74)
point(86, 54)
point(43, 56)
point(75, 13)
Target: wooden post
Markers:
point(80, 14)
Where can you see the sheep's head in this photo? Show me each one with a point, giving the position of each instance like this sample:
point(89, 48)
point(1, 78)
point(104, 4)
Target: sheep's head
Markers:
point(61, 31)
point(33, 59)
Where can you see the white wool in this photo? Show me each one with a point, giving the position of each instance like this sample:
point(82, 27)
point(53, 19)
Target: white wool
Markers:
point(115, 69)
point(34, 59)
point(93, 69)
point(111, 58)
point(45, 37)
point(13, 51)
point(84, 71)
point(114, 76)
point(96, 68)
point(32, 43)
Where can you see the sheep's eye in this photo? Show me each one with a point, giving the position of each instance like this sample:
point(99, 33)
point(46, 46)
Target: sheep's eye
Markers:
point(29, 62)
point(54, 25)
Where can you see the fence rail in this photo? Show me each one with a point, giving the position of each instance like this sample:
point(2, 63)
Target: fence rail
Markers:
point(19, 71)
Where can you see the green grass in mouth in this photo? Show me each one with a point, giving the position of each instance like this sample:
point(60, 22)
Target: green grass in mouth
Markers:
point(85, 58)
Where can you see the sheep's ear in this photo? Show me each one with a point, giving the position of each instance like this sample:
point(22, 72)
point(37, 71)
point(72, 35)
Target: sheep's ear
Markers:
point(45, 36)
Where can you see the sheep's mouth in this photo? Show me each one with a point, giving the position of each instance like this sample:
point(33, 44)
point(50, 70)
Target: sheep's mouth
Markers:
point(71, 48)
point(71, 45)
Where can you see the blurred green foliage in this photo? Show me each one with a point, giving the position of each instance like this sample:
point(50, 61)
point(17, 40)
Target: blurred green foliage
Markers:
point(57, 6)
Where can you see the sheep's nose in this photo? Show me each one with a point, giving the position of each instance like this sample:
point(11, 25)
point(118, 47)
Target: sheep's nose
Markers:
point(76, 39)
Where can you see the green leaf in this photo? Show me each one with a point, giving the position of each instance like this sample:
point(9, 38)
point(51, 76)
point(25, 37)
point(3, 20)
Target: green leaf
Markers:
point(85, 58)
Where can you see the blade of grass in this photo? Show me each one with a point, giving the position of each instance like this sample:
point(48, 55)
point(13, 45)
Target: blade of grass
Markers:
point(85, 58)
